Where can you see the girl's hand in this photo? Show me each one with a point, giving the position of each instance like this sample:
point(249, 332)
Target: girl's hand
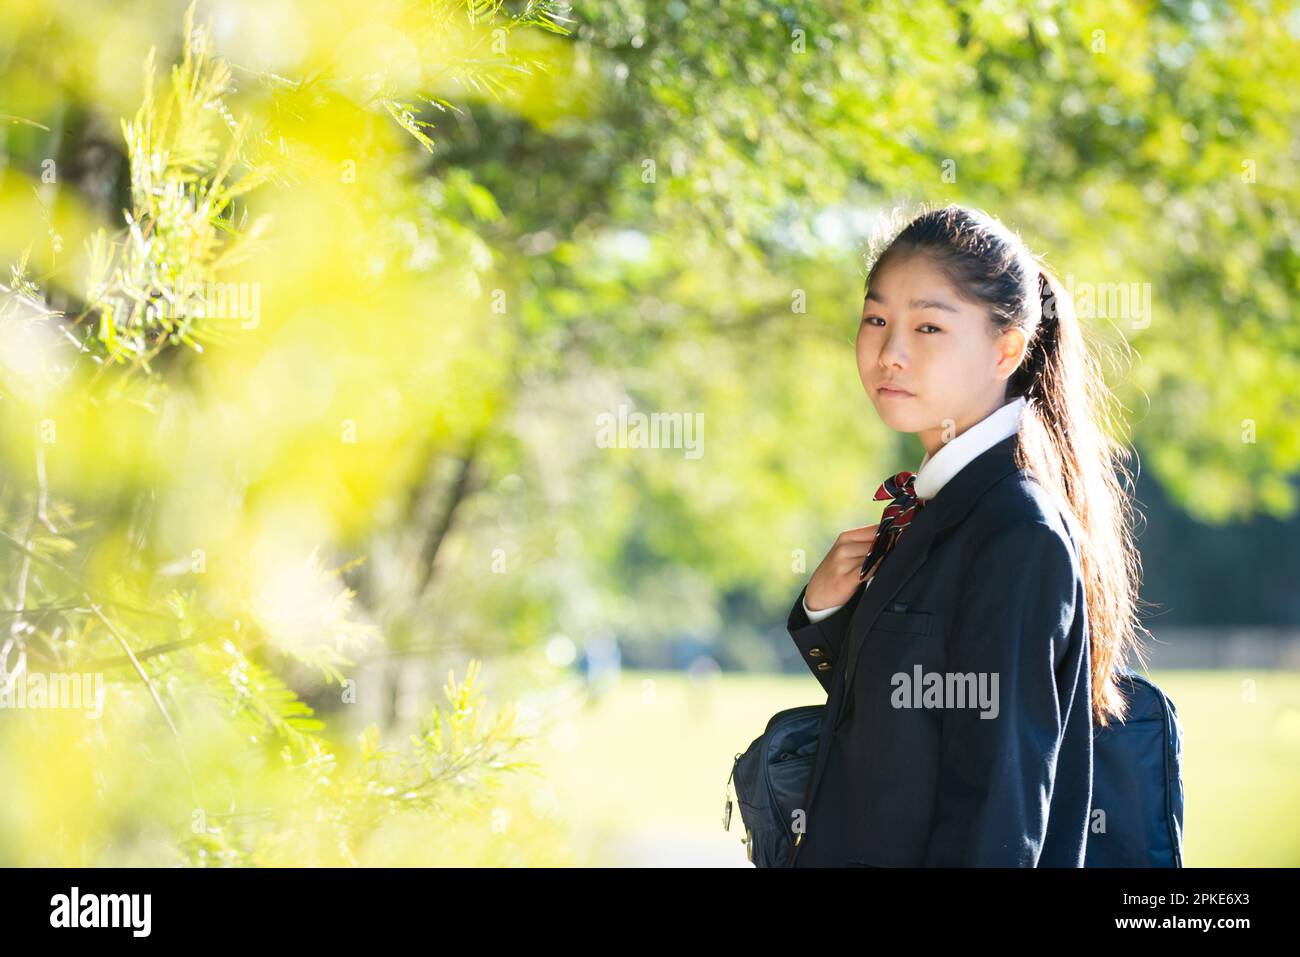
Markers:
point(838, 576)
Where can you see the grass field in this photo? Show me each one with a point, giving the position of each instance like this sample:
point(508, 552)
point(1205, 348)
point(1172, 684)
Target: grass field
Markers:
point(639, 773)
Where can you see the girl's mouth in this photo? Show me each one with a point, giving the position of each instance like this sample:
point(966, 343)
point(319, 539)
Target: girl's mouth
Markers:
point(891, 393)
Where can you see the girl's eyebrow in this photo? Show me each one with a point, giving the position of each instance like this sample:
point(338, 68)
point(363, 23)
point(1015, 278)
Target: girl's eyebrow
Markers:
point(917, 303)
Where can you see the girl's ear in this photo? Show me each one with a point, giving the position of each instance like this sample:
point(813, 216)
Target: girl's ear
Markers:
point(1011, 351)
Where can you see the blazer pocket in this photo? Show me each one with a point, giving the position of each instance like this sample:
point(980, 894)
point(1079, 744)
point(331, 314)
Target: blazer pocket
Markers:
point(906, 622)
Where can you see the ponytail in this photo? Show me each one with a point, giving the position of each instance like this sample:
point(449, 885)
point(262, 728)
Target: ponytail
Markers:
point(1067, 443)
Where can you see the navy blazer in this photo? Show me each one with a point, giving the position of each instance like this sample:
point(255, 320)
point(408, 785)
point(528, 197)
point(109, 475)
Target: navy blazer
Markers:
point(985, 582)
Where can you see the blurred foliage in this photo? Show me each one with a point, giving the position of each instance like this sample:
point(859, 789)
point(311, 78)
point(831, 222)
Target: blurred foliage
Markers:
point(196, 582)
point(147, 292)
point(304, 343)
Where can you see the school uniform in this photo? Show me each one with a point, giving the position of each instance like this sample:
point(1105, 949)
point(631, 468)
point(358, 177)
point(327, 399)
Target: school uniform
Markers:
point(963, 736)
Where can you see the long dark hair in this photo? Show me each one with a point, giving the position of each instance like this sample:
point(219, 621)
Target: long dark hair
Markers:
point(1066, 440)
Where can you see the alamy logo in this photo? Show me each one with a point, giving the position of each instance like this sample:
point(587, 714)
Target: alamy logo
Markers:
point(935, 689)
point(1111, 300)
point(102, 910)
point(658, 430)
point(55, 689)
point(221, 301)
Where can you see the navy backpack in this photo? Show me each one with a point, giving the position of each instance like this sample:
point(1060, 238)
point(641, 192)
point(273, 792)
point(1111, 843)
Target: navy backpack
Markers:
point(1137, 783)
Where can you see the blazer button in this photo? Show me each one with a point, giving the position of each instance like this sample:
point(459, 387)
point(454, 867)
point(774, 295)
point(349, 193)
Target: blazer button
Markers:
point(824, 665)
point(816, 652)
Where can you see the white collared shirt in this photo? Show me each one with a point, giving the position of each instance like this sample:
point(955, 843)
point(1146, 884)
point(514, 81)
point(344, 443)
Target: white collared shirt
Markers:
point(936, 471)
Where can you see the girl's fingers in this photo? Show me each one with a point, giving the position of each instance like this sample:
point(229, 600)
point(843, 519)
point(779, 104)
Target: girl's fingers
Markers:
point(855, 548)
point(858, 573)
point(851, 548)
point(850, 557)
point(853, 567)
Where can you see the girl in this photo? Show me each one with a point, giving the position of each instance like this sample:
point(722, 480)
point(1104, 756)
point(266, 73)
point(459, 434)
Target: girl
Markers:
point(968, 642)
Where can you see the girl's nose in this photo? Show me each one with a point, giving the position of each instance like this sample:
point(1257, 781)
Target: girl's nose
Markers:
point(892, 353)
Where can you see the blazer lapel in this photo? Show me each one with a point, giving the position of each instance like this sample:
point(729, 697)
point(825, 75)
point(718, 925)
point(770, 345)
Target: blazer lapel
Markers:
point(908, 554)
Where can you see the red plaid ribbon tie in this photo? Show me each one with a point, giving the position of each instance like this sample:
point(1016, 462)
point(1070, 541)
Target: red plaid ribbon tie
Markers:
point(897, 516)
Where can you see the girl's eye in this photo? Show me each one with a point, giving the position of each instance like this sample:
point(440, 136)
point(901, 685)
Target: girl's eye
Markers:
point(877, 321)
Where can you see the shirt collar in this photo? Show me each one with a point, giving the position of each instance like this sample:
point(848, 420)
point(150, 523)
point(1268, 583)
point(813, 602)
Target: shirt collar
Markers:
point(936, 470)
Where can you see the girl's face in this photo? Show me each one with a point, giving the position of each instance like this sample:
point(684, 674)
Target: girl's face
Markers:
point(917, 335)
